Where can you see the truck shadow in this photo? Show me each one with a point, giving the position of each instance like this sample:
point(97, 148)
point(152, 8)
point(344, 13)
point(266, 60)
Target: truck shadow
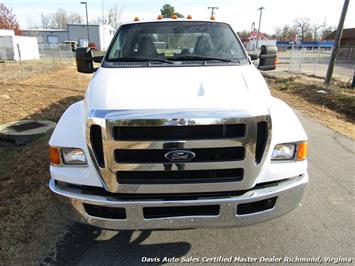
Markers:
point(86, 245)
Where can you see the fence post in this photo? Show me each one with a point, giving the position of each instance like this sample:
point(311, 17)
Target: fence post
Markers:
point(316, 64)
point(20, 58)
point(291, 59)
point(350, 53)
point(60, 58)
point(302, 58)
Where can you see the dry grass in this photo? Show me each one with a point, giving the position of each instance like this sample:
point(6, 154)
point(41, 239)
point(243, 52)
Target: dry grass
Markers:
point(14, 70)
point(333, 106)
point(29, 221)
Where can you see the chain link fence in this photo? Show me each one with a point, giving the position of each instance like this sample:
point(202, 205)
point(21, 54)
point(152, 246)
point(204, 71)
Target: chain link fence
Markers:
point(52, 57)
point(314, 61)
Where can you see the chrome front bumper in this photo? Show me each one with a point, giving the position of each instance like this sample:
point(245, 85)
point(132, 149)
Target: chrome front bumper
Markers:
point(288, 193)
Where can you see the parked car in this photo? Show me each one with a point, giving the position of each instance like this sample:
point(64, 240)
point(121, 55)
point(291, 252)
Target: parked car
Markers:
point(72, 44)
point(92, 46)
point(177, 138)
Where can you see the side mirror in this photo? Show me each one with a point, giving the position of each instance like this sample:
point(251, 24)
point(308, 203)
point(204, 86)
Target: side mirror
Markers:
point(84, 60)
point(268, 56)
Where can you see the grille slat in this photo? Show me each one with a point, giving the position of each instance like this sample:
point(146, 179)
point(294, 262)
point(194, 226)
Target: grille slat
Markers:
point(134, 156)
point(179, 132)
point(180, 177)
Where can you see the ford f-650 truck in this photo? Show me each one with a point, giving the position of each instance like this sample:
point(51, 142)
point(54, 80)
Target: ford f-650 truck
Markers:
point(177, 130)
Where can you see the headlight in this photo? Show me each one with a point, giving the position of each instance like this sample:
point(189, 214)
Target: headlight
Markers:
point(290, 151)
point(284, 151)
point(67, 156)
point(73, 156)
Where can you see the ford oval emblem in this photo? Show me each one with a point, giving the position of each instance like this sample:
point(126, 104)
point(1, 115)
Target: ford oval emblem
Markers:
point(180, 156)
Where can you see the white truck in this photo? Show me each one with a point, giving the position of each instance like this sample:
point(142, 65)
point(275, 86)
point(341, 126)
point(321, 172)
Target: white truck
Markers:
point(177, 130)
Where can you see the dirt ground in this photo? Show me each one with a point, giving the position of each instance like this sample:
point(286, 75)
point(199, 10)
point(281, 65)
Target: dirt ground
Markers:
point(29, 222)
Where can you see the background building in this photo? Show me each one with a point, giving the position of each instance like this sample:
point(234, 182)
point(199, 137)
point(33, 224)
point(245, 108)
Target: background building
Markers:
point(100, 35)
point(47, 36)
point(347, 38)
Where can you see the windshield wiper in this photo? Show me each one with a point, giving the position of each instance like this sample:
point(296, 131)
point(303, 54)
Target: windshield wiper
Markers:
point(203, 58)
point(139, 59)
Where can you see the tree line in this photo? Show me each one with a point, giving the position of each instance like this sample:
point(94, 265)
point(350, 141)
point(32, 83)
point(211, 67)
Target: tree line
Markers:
point(305, 29)
point(302, 27)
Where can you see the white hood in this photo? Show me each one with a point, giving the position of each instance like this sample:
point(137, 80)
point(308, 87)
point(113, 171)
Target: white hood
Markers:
point(240, 88)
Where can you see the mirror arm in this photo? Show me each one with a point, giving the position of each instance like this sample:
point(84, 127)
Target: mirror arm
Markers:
point(98, 59)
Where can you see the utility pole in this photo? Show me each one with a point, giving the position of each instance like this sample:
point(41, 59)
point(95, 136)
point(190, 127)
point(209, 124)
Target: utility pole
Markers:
point(212, 9)
point(102, 10)
point(336, 45)
point(257, 35)
point(87, 19)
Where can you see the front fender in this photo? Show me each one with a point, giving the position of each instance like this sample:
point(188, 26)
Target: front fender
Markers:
point(70, 132)
point(286, 127)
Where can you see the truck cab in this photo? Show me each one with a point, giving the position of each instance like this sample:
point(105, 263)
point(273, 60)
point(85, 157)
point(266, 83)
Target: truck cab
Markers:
point(177, 129)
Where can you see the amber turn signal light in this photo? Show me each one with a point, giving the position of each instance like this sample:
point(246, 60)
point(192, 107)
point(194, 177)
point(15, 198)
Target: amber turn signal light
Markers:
point(54, 155)
point(302, 151)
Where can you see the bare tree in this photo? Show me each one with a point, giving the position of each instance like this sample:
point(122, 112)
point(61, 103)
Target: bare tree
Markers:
point(8, 20)
point(315, 28)
point(74, 18)
point(114, 16)
point(278, 33)
point(286, 33)
point(302, 24)
point(243, 34)
point(327, 30)
point(59, 19)
point(45, 21)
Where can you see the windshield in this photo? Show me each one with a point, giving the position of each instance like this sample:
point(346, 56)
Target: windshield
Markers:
point(167, 42)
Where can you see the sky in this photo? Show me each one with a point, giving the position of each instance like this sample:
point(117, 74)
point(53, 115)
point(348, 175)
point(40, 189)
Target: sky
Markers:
point(239, 13)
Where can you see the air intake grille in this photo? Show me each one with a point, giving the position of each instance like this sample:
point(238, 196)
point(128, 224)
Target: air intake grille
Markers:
point(180, 177)
point(132, 156)
point(179, 132)
point(165, 212)
point(96, 143)
point(174, 151)
point(261, 140)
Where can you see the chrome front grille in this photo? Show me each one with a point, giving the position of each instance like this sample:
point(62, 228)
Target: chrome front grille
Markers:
point(228, 149)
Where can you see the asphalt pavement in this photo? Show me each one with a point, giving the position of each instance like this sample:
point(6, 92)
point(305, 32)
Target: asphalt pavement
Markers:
point(322, 226)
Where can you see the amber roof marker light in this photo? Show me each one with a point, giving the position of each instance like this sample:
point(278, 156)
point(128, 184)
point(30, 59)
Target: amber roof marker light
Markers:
point(189, 17)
